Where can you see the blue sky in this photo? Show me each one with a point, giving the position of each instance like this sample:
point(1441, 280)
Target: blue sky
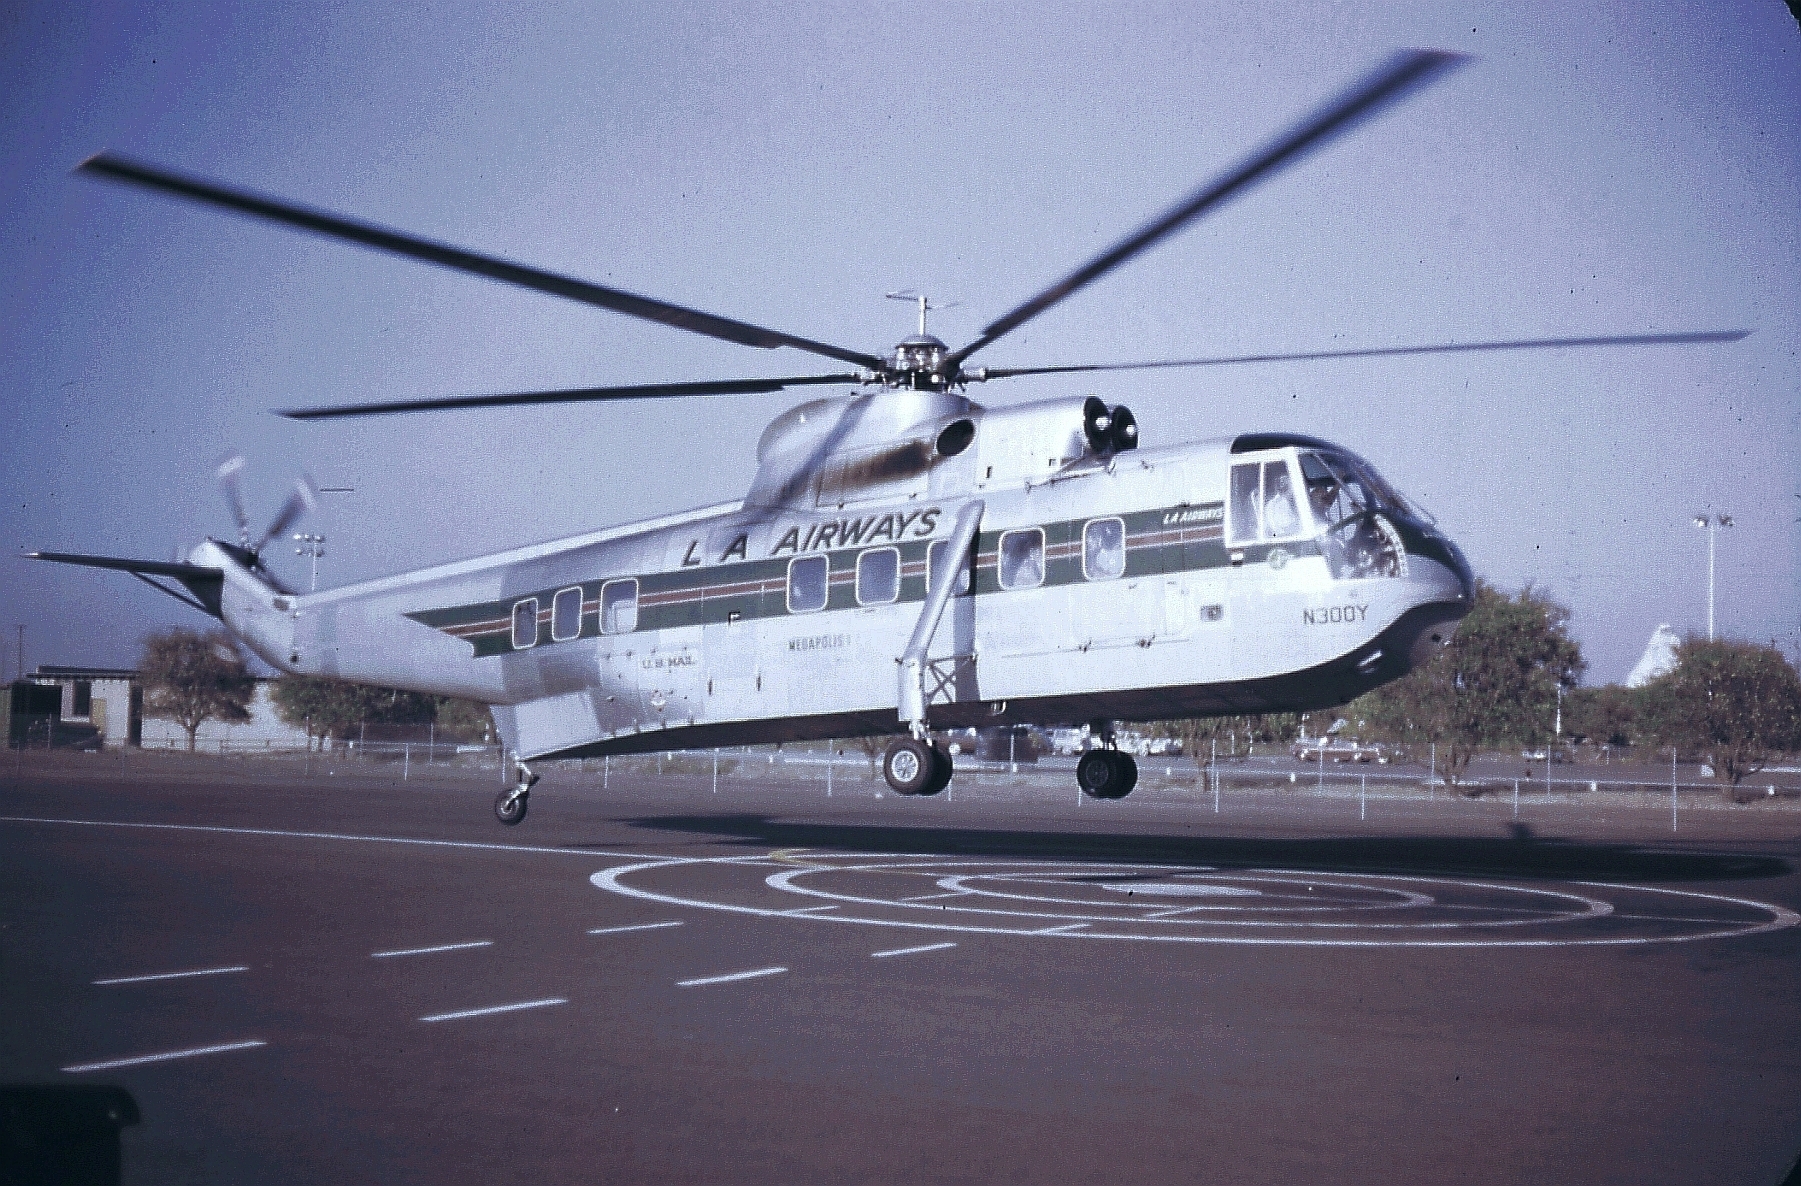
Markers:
point(1597, 170)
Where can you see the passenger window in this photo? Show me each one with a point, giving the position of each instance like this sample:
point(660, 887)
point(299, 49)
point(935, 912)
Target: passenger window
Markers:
point(1022, 558)
point(936, 558)
point(525, 623)
point(566, 615)
point(808, 580)
point(1104, 549)
point(878, 576)
point(619, 606)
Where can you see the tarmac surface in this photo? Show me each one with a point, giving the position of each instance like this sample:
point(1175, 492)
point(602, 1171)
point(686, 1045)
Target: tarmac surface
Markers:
point(337, 975)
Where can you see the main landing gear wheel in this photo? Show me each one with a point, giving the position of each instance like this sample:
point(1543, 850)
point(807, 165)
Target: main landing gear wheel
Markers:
point(912, 767)
point(1106, 774)
point(941, 771)
point(509, 806)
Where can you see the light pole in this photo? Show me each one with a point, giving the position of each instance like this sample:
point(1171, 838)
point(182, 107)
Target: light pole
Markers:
point(314, 546)
point(1712, 527)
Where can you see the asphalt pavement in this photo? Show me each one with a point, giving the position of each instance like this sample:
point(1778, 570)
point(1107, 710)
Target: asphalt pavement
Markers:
point(337, 975)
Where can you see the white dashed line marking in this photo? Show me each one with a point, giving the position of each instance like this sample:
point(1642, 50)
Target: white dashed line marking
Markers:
point(879, 955)
point(729, 977)
point(800, 910)
point(641, 926)
point(384, 955)
point(174, 975)
point(1062, 930)
point(462, 1013)
point(140, 1059)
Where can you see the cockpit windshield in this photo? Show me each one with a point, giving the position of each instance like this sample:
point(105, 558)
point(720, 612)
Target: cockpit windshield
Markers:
point(1340, 487)
point(1344, 494)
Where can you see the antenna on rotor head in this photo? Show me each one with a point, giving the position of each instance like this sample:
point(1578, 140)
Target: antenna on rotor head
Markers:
point(924, 302)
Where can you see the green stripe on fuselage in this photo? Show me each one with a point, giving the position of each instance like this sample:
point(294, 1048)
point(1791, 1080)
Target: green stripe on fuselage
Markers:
point(1187, 538)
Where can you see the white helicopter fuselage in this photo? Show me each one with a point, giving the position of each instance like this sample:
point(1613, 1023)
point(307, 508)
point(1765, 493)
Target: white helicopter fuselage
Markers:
point(1194, 579)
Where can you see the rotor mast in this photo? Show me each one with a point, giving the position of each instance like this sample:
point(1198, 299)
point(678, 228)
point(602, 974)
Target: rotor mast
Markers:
point(918, 363)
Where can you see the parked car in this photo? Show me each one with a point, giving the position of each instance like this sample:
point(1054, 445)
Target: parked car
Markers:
point(1339, 749)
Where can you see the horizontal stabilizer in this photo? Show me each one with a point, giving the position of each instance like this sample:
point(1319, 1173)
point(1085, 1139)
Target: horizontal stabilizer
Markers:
point(161, 568)
point(203, 583)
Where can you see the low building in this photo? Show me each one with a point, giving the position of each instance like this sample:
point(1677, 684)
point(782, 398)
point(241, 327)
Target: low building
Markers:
point(108, 699)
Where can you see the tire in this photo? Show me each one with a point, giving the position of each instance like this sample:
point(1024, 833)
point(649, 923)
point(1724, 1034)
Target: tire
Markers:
point(510, 805)
point(941, 772)
point(1096, 774)
point(909, 766)
point(1128, 774)
point(1106, 774)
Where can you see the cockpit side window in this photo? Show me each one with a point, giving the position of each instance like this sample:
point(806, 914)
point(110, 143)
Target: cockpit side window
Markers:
point(1335, 490)
point(1263, 502)
point(1247, 503)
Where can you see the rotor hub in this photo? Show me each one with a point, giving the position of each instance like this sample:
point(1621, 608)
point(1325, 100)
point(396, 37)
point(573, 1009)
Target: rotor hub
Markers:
point(918, 363)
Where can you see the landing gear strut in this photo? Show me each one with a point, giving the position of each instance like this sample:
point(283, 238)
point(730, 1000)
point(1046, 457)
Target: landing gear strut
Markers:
point(510, 804)
point(1106, 774)
point(915, 767)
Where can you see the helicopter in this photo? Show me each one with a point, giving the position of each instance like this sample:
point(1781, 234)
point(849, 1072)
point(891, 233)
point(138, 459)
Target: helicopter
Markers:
point(906, 560)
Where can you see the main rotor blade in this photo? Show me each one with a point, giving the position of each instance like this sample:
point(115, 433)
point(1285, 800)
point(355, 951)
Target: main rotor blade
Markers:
point(1407, 69)
point(383, 239)
point(577, 395)
point(1682, 339)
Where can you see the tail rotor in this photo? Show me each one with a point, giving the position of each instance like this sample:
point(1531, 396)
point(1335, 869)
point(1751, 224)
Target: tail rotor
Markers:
point(302, 499)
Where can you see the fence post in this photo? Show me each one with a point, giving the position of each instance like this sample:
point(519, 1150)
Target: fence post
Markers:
point(406, 763)
point(1363, 790)
point(715, 770)
point(1516, 798)
point(1672, 788)
point(828, 773)
point(606, 770)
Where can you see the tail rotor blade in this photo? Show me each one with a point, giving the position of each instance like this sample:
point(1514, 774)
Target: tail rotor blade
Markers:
point(231, 484)
point(304, 498)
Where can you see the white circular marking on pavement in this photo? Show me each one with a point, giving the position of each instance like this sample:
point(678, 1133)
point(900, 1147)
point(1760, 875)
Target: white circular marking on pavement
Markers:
point(1178, 889)
point(1191, 904)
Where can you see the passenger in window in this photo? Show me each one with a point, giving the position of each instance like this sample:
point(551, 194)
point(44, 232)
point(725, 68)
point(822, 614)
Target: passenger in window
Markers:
point(1104, 549)
point(1022, 560)
point(1279, 513)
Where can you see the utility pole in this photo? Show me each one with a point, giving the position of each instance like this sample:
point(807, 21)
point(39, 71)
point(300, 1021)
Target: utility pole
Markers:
point(1712, 527)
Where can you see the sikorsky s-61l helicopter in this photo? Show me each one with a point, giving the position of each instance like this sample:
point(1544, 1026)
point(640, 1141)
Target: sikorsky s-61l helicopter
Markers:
point(905, 558)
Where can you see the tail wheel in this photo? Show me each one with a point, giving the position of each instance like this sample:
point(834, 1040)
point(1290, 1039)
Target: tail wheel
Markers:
point(910, 765)
point(509, 806)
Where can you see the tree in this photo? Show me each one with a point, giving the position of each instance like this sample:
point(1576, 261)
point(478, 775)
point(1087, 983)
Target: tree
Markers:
point(336, 708)
point(464, 720)
point(1494, 685)
point(190, 678)
point(1737, 700)
point(1610, 715)
point(1234, 734)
